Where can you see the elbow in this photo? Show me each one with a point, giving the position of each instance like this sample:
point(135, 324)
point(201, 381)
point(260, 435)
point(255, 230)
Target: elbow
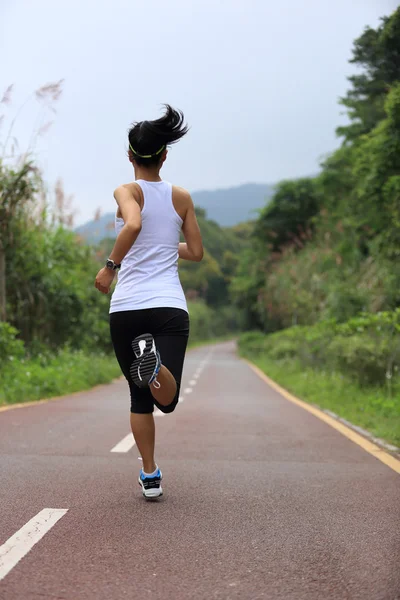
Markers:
point(198, 257)
point(133, 227)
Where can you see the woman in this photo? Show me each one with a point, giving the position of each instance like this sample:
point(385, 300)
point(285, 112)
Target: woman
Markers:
point(149, 319)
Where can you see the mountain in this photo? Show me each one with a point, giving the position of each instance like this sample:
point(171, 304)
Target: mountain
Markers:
point(96, 230)
point(227, 207)
point(234, 205)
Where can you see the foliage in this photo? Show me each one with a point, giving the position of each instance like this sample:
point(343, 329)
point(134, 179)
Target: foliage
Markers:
point(376, 201)
point(207, 323)
point(365, 348)
point(328, 247)
point(10, 347)
point(65, 372)
point(17, 188)
point(50, 297)
point(287, 220)
point(378, 53)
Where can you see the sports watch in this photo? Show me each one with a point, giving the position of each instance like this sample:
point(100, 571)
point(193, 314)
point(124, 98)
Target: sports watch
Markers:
point(110, 264)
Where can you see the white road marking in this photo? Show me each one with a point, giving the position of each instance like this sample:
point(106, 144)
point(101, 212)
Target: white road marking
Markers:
point(125, 444)
point(19, 544)
point(128, 441)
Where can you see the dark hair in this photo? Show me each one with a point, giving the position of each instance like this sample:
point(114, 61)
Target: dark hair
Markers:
point(148, 139)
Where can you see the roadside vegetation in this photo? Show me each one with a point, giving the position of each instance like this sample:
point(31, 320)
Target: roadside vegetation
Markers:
point(320, 280)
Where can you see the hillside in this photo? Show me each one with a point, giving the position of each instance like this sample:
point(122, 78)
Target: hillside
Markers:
point(234, 205)
point(227, 207)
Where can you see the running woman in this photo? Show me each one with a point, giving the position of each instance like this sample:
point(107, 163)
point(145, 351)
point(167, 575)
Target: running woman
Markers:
point(149, 320)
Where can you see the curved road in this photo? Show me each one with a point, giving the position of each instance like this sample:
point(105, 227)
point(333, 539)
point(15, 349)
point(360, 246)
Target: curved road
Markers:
point(262, 499)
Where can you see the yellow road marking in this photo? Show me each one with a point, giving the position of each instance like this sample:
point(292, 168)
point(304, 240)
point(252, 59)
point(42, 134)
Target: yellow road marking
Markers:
point(358, 439)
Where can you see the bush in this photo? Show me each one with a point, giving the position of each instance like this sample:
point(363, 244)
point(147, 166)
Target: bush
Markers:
point(10, 347)
point(366, 348)
point(200, 321)
point(252, 343)
point(64, 373)
point(207, 323)
point(360, 357)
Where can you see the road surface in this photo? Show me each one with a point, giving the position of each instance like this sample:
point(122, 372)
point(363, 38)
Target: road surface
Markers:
point(261, 499)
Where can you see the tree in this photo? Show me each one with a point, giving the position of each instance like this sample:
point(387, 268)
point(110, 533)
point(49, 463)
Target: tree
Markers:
point(378, 53)
point(377, 171)
point(16, 190)
point(18, 176)
point(287, 220)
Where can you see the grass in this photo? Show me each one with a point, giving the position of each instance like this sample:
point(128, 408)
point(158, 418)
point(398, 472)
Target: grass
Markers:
point(369, 408)
point(66, 373)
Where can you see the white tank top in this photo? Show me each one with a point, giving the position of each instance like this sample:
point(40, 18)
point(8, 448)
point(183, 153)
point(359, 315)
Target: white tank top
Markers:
point(149, 277)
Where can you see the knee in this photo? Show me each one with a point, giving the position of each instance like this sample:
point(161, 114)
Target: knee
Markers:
point(169, 408)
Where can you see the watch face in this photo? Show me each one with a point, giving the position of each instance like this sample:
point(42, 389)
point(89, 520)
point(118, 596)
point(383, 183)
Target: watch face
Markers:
point(110, 264)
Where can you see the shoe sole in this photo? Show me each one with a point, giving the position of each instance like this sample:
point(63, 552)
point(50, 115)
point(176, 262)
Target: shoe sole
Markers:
point(151, 494)
point(143, 366)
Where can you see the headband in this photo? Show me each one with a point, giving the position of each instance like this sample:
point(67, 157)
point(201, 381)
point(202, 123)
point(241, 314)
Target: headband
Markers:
point(147, 155)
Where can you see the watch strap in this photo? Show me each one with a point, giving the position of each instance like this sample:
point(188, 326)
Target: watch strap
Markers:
point(110, 264)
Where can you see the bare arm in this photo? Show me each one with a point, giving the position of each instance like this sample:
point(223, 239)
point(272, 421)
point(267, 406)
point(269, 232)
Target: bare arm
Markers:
point(192, 249)
point(130, 211)
point(131, 214)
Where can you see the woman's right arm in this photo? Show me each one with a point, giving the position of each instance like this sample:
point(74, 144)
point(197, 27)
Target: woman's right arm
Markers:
point(192, 248)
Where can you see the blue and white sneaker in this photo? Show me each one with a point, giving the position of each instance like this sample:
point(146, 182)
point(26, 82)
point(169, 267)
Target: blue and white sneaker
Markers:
point(147, 364)
point(151, 484)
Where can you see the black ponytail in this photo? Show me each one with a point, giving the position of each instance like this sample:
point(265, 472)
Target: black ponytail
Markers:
point(148, 139)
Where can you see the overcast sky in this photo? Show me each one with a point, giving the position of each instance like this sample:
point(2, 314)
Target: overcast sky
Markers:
point(258, 81)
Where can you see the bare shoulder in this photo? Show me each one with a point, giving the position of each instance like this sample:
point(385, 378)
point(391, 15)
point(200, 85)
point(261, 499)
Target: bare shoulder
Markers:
point(181, 200)
point(181, 194)
point(128, 192)
point(133, 188)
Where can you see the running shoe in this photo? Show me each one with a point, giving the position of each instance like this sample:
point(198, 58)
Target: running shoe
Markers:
point(147, 364)
point(151, 484)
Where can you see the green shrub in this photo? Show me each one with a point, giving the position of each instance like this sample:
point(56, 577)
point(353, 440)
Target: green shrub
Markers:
point(200, 321)
point(285, 349)
point(64, 373)
point(366, 348)
point(365, 359)
point(10, 347)
point(207, 323)
point(253, 343)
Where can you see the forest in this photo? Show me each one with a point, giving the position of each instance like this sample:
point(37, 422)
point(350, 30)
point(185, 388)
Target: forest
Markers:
point(311, 287)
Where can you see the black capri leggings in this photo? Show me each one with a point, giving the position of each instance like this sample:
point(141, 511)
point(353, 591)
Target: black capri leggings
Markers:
point(170, 329)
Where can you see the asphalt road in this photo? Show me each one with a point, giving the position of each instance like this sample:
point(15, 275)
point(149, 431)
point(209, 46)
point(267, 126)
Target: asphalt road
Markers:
point(261, 499)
